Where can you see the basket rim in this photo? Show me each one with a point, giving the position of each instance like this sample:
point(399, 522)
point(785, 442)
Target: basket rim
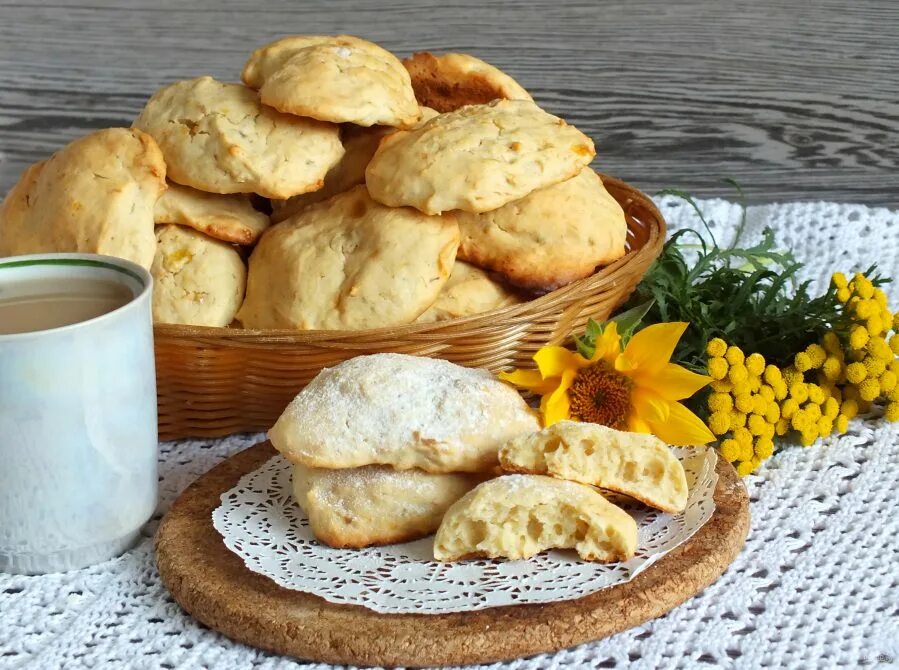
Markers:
point(524, 310)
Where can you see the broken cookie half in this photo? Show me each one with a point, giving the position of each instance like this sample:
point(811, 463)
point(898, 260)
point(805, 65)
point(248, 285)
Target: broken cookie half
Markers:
point(519, 516)
point(638, 465)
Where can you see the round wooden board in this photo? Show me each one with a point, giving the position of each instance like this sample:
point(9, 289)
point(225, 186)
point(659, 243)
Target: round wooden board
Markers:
point(213, 585)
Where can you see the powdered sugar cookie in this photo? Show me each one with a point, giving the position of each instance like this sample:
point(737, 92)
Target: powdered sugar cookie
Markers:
point(374, 504)
point(403, 411)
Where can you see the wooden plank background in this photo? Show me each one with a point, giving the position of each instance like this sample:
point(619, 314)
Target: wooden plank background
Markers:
point(795, 100)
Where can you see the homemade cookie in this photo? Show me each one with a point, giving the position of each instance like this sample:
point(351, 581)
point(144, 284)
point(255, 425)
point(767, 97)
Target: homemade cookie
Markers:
point(219, 138)
point(477, 158)
point(95, 195)
point(339, 79)
point(404, 411)
point(197, 281)
point(231, 218)
point(549, 238)
point(453, 80)
point(349, 263)
point(360, 144)
point(469, 290)
point(635, 464)
point(19, 232)
point(375, 505)
point(518, 516)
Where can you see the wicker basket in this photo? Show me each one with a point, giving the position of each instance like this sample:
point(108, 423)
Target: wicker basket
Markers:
point(218, 381)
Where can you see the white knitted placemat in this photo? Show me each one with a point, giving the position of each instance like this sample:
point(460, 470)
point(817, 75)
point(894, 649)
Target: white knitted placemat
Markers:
point(817, 585)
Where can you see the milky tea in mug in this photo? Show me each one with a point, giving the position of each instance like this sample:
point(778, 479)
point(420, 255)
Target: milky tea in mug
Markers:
point(42, 304)
point(78, 436)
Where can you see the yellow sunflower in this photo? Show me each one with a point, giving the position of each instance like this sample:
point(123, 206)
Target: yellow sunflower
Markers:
point(635, 389)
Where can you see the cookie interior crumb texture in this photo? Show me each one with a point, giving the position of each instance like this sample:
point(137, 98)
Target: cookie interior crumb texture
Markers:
point(635, 464)
point(519, 516)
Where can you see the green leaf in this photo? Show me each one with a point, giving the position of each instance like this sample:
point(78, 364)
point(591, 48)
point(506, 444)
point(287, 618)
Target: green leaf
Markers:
point(748, 294)
point(629, 319)
point(584, 348)
point(593, 330)
point(586, 344)
point(742, 200)
point(683, 195)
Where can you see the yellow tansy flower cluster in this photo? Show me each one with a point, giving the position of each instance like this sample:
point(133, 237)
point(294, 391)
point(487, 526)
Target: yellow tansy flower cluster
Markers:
point(745, 404)
point(872, 369)
point(826, 385)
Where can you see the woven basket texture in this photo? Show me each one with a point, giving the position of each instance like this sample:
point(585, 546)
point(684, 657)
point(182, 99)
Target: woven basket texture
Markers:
point(217, 381)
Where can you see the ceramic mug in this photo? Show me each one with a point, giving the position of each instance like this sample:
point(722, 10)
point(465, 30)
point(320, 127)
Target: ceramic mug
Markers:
point(78, 433)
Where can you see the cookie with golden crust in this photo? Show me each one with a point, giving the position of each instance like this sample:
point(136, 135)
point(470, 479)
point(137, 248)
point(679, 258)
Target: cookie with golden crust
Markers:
point(374, 504)
point(550, 237)
point(477, 158)
point(518, 516)
point(342, 79)
point(469, 290)
point(231, 218)
point(95, 195)
point(219, 138)
point(20, 232)
point(638, 465)
point(360, 144)
point(453, 80)
point(349, 263)
point(402, 411)
point(197, 281)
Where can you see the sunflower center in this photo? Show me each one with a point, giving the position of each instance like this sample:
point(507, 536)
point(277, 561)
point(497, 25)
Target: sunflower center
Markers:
point(601, 395)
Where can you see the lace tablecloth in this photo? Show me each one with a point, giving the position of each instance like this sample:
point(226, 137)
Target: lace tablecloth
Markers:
point(817, 585)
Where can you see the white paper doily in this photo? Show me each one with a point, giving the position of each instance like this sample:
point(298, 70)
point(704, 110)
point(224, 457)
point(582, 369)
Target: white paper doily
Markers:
point(262, 524)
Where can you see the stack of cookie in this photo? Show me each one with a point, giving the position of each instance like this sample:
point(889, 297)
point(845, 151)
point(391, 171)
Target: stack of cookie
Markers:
point(422, 190)
point(382, 445)
point(388, 448)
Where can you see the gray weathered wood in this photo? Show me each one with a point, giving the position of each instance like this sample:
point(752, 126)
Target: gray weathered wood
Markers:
point(795, 100)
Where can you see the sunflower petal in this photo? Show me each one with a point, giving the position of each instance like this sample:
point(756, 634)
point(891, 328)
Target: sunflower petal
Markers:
point(531, 380)
point(651, 348)
point(682, 427)
point(557, 406)
point(672, 382)
point(637, 425)
point(608, 345)
point(548, 386)
point(649, 406)
point(553, 361)
point(544, 401)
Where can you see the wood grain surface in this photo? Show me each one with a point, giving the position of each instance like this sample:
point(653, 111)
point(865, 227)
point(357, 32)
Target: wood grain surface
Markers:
point(795, 100)
point(213, 585)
